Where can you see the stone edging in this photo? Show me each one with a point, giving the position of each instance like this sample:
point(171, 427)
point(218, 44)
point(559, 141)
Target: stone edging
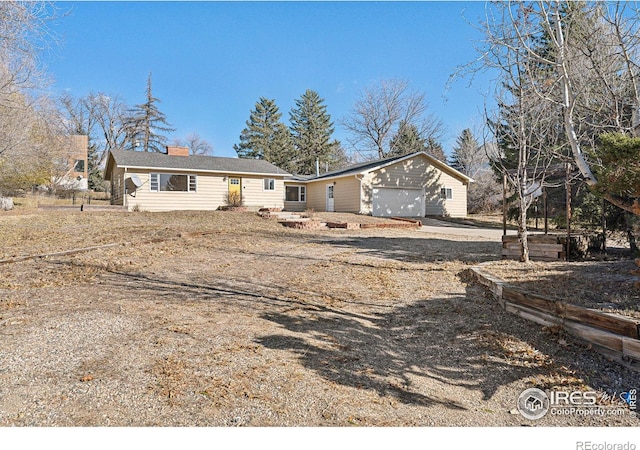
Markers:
point(614, 336)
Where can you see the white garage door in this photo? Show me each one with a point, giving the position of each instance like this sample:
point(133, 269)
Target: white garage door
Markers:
point(388, 202)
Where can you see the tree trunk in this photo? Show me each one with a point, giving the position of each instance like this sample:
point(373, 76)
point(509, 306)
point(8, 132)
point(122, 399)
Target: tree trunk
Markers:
point(568, 105)
point(523, 233)
point(631, 237)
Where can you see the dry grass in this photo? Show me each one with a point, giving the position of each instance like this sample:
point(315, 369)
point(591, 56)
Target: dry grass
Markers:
point(227, 319)
point(607, 285)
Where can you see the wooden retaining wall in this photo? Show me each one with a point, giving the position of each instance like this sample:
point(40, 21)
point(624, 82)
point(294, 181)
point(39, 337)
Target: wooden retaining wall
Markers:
point(550, 247)
point(615, 336)
point(542, 247)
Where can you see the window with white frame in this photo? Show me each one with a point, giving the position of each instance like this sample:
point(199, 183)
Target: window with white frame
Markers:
point(167, 182)
point(446, 193)
point(269, 184)
point(296, 194)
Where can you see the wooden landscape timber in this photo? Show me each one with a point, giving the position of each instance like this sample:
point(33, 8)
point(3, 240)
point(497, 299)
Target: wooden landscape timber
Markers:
point(547, 247)
point(542, 247)
point(617, 337)
point(599, 319)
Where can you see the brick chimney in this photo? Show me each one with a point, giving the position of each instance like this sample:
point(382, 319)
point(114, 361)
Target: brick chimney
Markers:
point(177, 151)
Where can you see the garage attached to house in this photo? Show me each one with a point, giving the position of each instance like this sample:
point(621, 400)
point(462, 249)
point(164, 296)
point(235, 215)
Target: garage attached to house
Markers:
point(398, 202)
point(412, 185)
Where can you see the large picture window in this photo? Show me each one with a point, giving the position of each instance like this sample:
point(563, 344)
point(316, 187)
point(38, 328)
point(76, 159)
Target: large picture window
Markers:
point(167, 182)
point(296, 194)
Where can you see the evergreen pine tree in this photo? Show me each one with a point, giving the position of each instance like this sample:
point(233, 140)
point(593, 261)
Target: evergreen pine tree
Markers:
point(465, 153)
point(146, 123)
point(407, 140)
point(265, 137)
point(434, 148)
point(311, 130)
point(96, 177)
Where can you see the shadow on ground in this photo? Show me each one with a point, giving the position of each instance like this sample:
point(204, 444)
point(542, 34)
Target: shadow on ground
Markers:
point(419, 249)
point(462, 344)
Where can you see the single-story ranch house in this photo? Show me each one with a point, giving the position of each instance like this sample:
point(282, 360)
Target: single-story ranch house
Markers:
point(152, 181)
point(412, 185)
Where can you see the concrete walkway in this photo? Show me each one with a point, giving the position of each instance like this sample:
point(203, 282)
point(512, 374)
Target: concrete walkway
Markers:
point(442, 227)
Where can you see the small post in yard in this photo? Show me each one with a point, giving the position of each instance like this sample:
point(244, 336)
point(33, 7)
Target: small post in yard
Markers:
point(504, 204)
point(546, 215)
point(604, 225)
point(568, 186)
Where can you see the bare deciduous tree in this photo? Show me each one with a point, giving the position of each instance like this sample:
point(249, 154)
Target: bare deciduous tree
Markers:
point(379, 112)
point(525, 128)
point(24, 33)
point(580, 66)
point(195, 144)
point(100, 116)
point(592, 63)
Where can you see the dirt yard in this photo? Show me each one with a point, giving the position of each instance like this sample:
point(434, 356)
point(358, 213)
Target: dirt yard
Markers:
point(607, 285)
point(227, 319)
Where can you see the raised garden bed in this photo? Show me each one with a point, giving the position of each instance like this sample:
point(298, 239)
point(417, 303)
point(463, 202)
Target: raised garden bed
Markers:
point(550, 247)
point(614, 335)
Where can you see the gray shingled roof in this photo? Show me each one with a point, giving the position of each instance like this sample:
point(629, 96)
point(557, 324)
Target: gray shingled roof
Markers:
point(357, 168)
point(152, 160)
point(365, 166)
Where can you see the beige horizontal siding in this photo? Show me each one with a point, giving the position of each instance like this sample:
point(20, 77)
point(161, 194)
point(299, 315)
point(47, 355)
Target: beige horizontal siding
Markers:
point(295, 206)
point(254, 195)
point(413, 173)
point(453, 207)
point(317, 195)
point(211, 192)
point(346, 194)
point(117, 186)
point(416, 173)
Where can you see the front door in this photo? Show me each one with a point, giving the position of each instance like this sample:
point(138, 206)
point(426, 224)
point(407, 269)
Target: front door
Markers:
point(235, 192)
point(330, 205)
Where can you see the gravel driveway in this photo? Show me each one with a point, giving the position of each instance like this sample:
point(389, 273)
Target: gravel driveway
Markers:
point(226, 319)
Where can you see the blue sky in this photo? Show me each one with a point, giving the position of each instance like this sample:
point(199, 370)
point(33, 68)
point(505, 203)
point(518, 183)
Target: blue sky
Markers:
point(212, 61)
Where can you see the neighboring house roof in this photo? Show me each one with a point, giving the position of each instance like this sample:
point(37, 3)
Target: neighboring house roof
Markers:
point(369, 166)
point(197, 163)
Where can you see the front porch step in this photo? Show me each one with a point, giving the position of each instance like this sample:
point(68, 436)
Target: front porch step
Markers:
point(283, 215)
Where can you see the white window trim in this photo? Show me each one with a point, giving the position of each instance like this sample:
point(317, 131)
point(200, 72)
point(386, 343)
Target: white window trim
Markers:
point(190, 178)
point(264, 181)
point(300, 188)
point(446, 193)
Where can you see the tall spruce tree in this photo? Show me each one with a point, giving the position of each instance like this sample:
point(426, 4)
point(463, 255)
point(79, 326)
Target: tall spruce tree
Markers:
point(146, 124)
point(434, 148)
point(466, 156)
point(265, 137)
point(407, 140)
point(311, 130)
